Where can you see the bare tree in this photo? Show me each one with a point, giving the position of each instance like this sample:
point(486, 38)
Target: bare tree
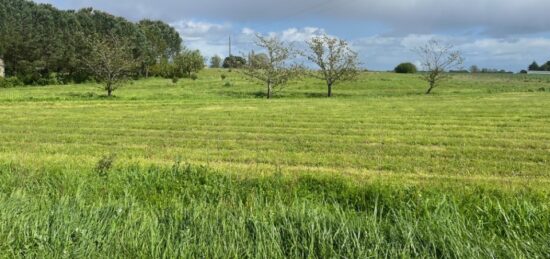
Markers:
point(336, 60)
point(110, 61)
point(437, 58)
point(276, 70)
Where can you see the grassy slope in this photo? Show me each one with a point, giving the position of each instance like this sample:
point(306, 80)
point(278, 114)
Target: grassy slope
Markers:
point(461, 173)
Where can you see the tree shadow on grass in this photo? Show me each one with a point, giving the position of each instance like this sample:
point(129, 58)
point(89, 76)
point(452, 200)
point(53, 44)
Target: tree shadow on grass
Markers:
point(245, 95)
point(324, 95)
point(281, 95)
point(315, 95)
point(90, 95)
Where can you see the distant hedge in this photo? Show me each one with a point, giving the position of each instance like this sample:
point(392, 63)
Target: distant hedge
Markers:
point(406, 68)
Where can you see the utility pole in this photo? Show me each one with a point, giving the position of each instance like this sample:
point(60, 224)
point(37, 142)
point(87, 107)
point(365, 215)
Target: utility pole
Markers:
point(230, 45)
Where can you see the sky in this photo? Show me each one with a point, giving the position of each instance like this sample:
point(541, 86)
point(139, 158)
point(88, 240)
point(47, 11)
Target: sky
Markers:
point(501, 34)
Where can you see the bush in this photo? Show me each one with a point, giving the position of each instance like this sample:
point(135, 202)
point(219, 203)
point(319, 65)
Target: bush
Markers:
point(175, 80)
point(10, 82)
point(49, 80)
point(406, 68)
point(234, 62)
point(223, 76)
point(227, 84)
point(194, 77)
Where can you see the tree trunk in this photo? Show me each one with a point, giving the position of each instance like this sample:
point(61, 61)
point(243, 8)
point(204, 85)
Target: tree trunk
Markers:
point(329, 90)
point(430, 89)
point(109, 90)
point(268, 90)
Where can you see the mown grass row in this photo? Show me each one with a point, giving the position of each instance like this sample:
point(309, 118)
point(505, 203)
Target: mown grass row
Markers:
point(487, 134)
point(191, 211)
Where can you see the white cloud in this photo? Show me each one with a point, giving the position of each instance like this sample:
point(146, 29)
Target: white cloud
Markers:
point(194, 29)
point(495, 17)
point(300, 35)
point(247, 31)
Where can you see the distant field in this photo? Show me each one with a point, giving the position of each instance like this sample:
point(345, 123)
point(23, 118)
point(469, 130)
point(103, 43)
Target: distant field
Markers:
point(480, 142)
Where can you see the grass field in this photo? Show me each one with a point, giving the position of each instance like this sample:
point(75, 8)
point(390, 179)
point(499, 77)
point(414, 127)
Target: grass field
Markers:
point(204, 169)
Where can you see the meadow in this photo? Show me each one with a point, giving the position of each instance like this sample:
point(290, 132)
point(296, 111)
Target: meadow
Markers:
point(210, 168)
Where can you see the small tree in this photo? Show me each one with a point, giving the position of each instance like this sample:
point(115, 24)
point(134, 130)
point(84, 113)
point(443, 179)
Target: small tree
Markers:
point(405, 68)
point(188, 62)
point(216, 62)
point(336, 60)
point(437, 59)
point(110, 61)
point(474, 69)
point(257, 60)
point(276, 72)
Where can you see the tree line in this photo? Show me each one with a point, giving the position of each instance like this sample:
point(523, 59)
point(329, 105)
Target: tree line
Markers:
point(41, 44)
point(535, 66)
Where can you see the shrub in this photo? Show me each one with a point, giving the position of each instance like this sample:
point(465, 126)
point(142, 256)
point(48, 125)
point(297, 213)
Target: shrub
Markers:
point(49, 80)
point(194, 77)
point(227, 84)
point(175, 79)
point(223, 76)
point(105, 164)
point(406, 68)
point(234, 62)
point(10, 82)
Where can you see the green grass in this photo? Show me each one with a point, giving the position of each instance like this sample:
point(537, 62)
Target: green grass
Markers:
point(379, 170)
point(192, 212)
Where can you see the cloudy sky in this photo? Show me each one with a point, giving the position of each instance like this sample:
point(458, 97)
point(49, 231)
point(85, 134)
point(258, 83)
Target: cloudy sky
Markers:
point(503, 34)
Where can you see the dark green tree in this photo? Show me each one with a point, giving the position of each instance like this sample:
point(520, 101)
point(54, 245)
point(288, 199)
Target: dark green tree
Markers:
point(163, 42)
point(234, 62)
point(405, 68)
point(534, 66)
point(545, 67)
point(39, 43)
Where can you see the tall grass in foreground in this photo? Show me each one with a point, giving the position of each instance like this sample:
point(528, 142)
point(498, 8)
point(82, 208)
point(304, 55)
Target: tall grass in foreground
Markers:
point(193, 212)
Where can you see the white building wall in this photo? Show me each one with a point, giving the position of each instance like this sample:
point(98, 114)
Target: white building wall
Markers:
point(2, 68)
point(538, 72)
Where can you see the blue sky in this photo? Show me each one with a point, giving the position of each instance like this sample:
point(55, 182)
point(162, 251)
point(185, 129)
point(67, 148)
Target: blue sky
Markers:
point(501, 34)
